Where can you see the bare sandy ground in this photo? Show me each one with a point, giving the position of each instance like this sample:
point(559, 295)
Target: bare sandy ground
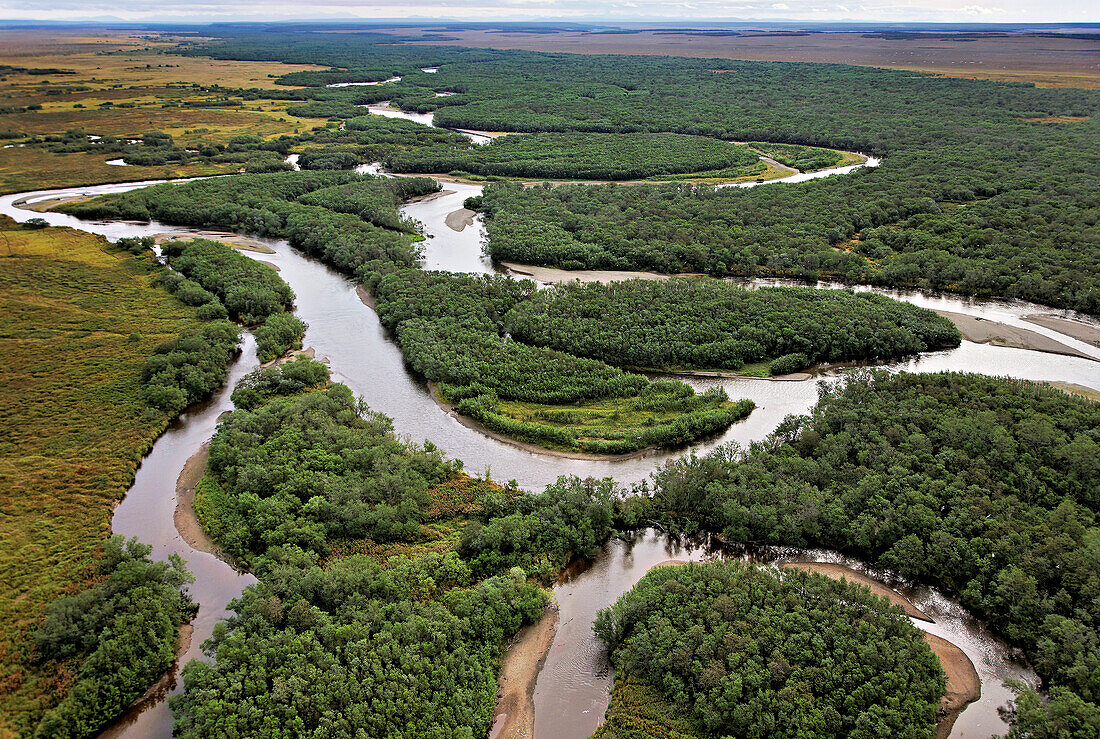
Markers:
point(515, 714)
point(1076, 329)
point(230, 239)
point(559, 276)
point(430, 196)
point(185, 518)
point(963, 684)
point(999, 334)
point(459, 219)
point(837, 572)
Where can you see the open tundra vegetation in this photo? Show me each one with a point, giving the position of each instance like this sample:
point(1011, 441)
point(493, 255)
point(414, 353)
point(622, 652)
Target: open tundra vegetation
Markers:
point(389, 581)
point(81, 318)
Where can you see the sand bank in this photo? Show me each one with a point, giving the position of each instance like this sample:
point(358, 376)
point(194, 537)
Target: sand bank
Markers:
point(1077, 329)
point(1074, 389)
point(460, 219)
point(982, 331)
point(836, 572)
point(523, 659)
point(186, 520)
point(963, 684)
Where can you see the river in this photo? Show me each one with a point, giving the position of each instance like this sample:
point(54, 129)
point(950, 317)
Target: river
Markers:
point(346, 333)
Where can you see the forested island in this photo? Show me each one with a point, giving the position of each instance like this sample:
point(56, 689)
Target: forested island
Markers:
point(587, 156)
point(706, 324)
point(737, 650)
point(485, 342)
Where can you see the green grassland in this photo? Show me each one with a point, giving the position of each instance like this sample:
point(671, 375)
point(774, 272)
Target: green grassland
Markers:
point(78, 319)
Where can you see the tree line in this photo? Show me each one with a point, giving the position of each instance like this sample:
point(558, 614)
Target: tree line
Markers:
point(976, 193)
point(123, 631)
point(585, 156)
point(748, 651)
point(388, 579)
point(708, 324)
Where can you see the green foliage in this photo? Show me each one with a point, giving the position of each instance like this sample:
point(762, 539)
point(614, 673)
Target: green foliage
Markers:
point(745, 651)
point(788, 364)
point(280, 333)
point(453, 331)
point(802, 158)
point(586, 156)
point(258, 386)
point(301, 471)
point(1061, 715)
point(540, 533)
point(320, 78)
point(406, 646)
point(707, 324)
point(189, 368)
point(409, 650)
point(988, 488)
point(123, 631)
point(271, 204)
point(250, 291)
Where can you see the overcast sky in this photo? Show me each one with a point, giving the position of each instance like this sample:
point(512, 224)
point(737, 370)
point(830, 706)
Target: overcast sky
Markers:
point(989, 11)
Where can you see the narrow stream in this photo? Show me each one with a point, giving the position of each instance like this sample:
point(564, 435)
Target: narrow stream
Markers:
point(348, 334)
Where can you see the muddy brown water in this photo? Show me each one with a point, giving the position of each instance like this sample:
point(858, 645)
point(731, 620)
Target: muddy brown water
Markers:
point(574, 686)
point(349, 335)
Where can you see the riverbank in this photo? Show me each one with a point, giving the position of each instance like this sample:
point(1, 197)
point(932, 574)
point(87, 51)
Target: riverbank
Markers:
point(156, 692)
point(982, 331)
point(185, 516)
point(963, 684)
point(840, 572)
point(1077, 329)
point(523, 659)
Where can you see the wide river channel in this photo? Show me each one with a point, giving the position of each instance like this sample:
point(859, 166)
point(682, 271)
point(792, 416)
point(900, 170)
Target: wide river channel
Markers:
point(572, 690)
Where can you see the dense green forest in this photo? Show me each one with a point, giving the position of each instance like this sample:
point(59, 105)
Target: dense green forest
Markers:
point(389, 580)
point(362, 139)
point(223, 282)
point(123, 630)
point(751, 652)
point(190, 367)
point(586, 156)
point(707, 324)
point(451, 329)
point(343, 232)
point(250, 291)
point(975, 194)
point(449, 326)
point(986, 487)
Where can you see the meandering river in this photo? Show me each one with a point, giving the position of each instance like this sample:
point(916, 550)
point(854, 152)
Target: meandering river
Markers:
point(345, 332)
